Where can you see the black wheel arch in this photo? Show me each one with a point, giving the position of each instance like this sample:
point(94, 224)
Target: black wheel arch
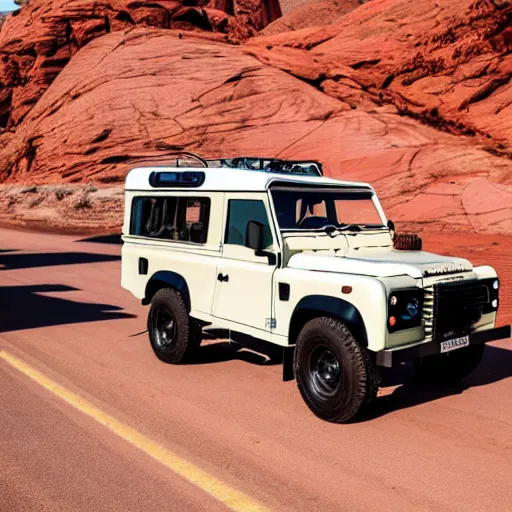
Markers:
point(167, 279)
point(312, 306)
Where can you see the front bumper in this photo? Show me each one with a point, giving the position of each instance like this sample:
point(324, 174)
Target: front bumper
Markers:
point(389, 358)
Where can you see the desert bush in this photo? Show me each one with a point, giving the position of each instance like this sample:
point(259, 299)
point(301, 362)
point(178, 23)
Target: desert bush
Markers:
point(61, 193)
point(29, 190)
point(36, 202)
point(82, 203)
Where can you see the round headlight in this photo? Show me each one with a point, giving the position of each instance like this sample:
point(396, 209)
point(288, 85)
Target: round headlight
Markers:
point(393, 300)
point(412, 308)
point(495, 285)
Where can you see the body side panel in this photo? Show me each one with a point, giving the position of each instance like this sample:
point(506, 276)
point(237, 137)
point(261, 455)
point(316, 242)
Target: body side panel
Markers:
point(368, 298)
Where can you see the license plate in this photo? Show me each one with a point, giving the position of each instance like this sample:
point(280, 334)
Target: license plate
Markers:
point(449, 345)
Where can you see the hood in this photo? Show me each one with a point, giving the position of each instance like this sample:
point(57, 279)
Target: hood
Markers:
point(416, 264)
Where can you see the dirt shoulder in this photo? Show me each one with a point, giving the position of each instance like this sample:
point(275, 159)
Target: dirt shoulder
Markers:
point(70, 209)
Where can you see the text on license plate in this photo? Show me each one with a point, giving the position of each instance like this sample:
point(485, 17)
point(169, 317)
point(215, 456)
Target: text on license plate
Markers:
point(448, 345)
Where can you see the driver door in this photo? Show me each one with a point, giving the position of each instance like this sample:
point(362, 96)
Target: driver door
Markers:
point(243, 291)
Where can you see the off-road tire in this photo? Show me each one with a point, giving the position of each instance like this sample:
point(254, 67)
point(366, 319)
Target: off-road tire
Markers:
point(450, 367)
point(187, 333)
point(359, 378)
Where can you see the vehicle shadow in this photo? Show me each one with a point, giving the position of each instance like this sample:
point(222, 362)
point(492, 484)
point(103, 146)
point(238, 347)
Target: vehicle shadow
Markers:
point(410, 391)
point(221, 351)
point(23, 307)
point(495, 366)
point(103, 239)
point(16, 261)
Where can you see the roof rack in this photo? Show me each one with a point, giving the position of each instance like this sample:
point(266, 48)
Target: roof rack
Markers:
point(274, 165)
point(190, 155)
point(252, 163)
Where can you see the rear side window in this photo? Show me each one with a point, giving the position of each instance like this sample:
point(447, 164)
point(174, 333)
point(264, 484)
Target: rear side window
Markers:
point(240, 212)
point(182, 219)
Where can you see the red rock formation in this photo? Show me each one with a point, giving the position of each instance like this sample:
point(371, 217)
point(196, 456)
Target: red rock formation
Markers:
point(445, 62)
point(309, 13)
point(37, 41)
point(148, 93)
point(371, 97)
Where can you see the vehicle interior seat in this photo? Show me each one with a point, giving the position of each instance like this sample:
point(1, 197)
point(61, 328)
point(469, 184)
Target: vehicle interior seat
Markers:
point(197, 233)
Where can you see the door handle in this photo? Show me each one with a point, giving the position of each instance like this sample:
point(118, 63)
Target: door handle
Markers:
point(222, 277)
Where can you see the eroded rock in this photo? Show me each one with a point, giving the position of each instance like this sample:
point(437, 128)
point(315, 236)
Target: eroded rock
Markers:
point(382, 96)
point(149, 93)
point(37, 41)
point(446, 63)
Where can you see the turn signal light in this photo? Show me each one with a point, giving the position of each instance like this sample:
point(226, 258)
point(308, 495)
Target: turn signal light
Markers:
point(392, 321)
point(346, 289)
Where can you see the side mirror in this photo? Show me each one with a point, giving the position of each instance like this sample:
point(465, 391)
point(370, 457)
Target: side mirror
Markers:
point(254, 235)
point(254, 240)
point(391, 226)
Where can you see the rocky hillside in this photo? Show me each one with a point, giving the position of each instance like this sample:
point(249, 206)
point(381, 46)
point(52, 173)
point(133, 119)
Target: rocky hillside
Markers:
point(39, 40)
point(447, 63)
point(414, 97)
point(299, 14)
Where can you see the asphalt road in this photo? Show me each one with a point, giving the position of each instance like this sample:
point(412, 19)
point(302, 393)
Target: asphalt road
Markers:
point(225, 424)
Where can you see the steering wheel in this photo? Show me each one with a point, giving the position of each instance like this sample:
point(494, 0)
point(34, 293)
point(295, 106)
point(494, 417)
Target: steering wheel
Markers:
point(316, 221)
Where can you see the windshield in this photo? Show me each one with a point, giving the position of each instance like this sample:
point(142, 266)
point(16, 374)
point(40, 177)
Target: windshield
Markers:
point(315, 208)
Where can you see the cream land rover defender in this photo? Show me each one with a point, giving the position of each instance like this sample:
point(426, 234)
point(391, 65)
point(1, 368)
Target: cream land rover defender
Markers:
point(285, 260)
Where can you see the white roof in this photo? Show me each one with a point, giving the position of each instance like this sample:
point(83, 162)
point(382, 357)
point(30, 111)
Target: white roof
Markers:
point(224, 179)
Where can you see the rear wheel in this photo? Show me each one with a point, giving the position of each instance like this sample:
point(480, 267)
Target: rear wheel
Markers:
point(335, 375)
point(174, 336)
point(450, 367)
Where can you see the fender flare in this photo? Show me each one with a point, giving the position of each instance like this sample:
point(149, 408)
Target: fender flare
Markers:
point(167, 278)
point(317, 305)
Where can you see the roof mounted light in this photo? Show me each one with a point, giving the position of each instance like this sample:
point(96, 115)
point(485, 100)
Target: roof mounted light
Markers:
point(165, 179)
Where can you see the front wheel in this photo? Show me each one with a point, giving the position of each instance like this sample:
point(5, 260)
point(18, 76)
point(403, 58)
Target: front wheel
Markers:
point(335, 375)
point(450, 367)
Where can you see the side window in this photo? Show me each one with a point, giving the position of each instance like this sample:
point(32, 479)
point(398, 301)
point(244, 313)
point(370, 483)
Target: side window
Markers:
point(240, 212)
point(197, 216)
point(171, 218)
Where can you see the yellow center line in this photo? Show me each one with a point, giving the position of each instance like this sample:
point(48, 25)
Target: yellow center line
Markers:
point(230, 497)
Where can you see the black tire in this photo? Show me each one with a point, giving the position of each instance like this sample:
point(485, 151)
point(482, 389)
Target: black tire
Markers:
point(174, 336)
point(450, 367)
point(335, 375)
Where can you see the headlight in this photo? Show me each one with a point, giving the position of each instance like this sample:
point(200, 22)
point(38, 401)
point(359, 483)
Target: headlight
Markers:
point(404, 309)
point(412, 309)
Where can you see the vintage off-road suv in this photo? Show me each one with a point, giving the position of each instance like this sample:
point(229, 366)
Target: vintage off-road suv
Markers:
point(292, 264)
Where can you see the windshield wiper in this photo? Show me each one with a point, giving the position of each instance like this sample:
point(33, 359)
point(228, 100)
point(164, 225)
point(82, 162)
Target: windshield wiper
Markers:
point(331, 228)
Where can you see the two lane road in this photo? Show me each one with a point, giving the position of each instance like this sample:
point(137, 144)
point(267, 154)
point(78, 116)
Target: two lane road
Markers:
point(91, 420)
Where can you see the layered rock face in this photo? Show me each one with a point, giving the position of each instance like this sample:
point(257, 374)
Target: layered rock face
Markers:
point(445, 62)
point(298, 14)
point(37, 41)
point(434, 141)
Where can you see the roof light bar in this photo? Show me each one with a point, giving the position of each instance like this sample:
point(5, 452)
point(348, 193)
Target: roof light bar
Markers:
point(191, 179)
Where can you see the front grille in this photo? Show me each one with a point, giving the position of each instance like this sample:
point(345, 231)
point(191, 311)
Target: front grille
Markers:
point(456, 307)
point(428, 310)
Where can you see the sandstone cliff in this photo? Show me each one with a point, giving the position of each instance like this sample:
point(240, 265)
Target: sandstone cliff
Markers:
point(414, 98)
